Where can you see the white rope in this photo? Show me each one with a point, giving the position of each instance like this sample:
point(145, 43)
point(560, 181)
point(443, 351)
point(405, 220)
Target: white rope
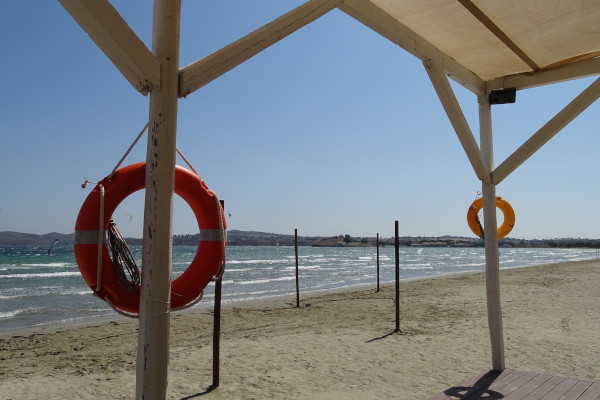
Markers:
point(128, 150)
point(187, 162)
point(193, 303)
point(100, 240)
point(110, 176)
point(118, 311)
point(133, 145)
point(132, 315)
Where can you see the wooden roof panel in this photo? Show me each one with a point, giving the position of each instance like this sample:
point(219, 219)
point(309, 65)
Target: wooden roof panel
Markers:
point(550, 31)
point(494, 38)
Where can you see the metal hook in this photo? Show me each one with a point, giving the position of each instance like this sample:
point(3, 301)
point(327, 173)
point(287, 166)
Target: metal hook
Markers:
point(84, 184)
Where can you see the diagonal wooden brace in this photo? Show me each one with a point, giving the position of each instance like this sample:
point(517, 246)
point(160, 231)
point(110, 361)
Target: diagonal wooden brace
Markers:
point(547, 132)
point(458, 120)
point(207, 69)
point(117, 40)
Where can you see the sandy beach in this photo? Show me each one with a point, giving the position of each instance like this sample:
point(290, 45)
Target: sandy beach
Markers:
point(336, 345)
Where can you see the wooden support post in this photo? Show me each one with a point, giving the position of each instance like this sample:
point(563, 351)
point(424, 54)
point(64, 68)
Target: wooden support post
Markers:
point(155, 297)
point(397, 254)
point(377, 244)
point(492, 261)
point(297, 283)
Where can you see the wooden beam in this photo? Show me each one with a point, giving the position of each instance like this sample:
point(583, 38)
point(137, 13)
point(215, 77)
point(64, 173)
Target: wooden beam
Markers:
point(492, 260)
point(492, 276)
point(207, 69)
point(386, 25)
point(155, 292)
point(499, 33)
point(117, 40)
point(575, 70)
point(458, 120)
point(485, 130)
point(547, 132)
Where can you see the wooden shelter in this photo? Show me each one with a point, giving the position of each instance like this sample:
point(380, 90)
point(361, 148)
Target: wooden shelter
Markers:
point(486, 46)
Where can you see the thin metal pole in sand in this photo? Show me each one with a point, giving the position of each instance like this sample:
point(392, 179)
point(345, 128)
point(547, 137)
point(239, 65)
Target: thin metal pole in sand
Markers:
point(217, 326)
point(397, 253)
point(377, 244)
point(217, 333)
point(297, 284)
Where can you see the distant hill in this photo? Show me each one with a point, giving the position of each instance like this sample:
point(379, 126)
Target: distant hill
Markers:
point(253, 238)
point(8, 238)
point(234, 238)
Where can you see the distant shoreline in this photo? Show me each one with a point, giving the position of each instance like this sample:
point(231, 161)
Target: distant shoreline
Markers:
point(253, 238)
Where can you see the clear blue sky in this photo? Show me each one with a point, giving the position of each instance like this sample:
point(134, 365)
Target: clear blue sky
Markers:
point(333, 130)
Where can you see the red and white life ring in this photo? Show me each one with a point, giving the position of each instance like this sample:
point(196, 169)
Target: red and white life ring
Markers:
point(188, 286)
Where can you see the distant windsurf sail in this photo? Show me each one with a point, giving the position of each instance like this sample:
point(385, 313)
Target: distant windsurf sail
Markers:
point(54, 245)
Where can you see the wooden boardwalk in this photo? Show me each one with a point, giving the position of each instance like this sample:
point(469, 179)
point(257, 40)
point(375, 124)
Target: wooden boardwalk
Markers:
point(519, 385)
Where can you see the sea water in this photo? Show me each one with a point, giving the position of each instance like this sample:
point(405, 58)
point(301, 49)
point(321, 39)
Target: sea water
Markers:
point(40, 289)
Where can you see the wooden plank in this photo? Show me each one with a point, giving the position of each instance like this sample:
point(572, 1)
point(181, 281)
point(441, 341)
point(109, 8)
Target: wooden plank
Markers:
point(510, 382)
point(471, 385)
point(516, 384)
point(547, 132)
point(491, 388)
point(207, 69)
point(155, 292)
point(528, 387)
point(386, 25)
point(559, 391)
point(458, 120)
point(520, 385)
point(575, 70)
point(591, 393)
point(576, 391)
point(117, 40)
point(476, 385)
point(544, 388)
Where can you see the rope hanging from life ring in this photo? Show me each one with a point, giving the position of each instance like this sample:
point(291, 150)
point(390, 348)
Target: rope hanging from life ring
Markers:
point(503, 205)
point(126, 269)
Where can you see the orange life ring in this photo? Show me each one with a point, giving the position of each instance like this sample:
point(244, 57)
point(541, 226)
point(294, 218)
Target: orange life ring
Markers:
point(503, 205)
point(127, 180)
